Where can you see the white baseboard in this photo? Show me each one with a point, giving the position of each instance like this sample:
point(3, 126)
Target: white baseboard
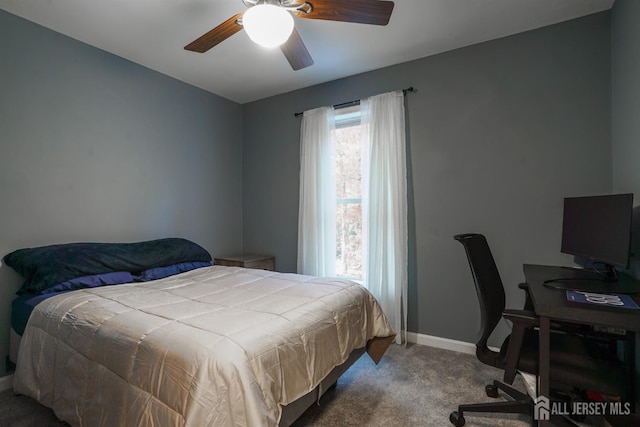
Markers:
point(6, 382)
point(443, 343)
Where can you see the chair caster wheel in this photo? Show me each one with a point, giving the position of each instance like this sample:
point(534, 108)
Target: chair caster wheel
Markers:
point(491, 390)
point(456, 419)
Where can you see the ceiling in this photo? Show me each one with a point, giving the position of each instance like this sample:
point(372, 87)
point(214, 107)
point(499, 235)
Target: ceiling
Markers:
point(153, 33)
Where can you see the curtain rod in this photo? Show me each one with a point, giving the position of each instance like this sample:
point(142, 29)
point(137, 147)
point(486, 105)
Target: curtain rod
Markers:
point(350, 103)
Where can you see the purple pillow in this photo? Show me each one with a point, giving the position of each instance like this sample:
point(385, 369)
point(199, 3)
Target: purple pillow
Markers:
point(169, 270)
point(114, 278)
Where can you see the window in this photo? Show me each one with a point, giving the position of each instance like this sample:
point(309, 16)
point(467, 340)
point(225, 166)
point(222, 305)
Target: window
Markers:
point(348, 169)
point(371, 245)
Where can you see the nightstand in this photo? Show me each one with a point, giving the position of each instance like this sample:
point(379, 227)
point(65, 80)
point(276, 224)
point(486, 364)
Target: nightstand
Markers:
point(259, 262)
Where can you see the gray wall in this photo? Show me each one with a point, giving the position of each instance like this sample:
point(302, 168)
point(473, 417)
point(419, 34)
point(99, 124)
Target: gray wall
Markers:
point(625, 108)
point(96, 148)
point(625, 32)
point(499, 133)
point(93, 147)
point(626, 96)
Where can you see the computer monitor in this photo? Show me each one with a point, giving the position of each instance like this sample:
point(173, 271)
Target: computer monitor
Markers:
point(598, 228)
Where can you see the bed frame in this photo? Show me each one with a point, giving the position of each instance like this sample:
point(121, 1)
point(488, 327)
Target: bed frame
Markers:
point(294, 410)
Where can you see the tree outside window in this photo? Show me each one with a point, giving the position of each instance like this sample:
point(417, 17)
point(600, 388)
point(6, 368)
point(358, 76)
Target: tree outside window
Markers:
point(348, 194)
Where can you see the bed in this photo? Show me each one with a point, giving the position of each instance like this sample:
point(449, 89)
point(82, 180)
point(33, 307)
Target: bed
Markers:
point(210, 346)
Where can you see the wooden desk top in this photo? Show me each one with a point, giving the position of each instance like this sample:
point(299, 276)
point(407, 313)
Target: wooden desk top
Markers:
point(553, 303)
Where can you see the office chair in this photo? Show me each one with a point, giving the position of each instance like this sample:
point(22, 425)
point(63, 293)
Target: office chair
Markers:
point(572, 366)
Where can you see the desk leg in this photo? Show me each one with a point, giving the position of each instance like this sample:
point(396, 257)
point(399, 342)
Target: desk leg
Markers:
point(543, 375)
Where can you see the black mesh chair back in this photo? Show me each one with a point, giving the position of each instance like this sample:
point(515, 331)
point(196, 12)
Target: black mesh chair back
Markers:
point(490, 291)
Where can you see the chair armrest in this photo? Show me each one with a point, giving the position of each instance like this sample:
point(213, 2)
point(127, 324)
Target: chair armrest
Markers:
point(521, 318)
point(528, 304)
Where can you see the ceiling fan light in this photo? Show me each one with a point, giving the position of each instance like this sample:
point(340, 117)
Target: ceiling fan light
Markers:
point(268, 25)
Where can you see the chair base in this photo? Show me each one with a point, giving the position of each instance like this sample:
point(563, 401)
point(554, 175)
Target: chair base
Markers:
point(521, 404)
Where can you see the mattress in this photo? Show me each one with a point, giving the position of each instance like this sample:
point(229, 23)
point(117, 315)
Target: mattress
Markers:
point(215, 346)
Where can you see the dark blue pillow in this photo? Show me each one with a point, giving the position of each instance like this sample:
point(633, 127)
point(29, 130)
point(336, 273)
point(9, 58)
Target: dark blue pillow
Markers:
point(115, 278)
point(47, 266)
point(170, 270)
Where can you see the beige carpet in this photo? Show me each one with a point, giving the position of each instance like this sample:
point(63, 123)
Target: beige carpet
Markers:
point(412, 386)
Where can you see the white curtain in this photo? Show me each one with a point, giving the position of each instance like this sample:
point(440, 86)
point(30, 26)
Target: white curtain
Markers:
point(317, 209)
point(385, 205)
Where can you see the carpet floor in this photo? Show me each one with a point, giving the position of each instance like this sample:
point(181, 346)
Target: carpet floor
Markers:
point(412, 386)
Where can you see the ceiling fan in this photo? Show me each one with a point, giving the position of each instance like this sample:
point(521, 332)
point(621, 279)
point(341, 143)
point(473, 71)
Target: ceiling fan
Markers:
point(270, 23)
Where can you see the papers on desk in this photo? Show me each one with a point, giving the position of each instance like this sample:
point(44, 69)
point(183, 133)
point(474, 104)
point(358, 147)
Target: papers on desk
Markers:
point(608, 300)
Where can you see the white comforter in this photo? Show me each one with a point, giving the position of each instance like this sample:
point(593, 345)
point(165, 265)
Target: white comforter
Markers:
point(216, 346)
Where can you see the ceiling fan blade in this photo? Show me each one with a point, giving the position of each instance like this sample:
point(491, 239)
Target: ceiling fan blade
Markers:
point(217, 35)
point(296, 52)
point(374, 12)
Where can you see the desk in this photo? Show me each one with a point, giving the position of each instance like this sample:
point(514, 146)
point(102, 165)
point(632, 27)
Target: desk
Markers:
point(551, 304)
